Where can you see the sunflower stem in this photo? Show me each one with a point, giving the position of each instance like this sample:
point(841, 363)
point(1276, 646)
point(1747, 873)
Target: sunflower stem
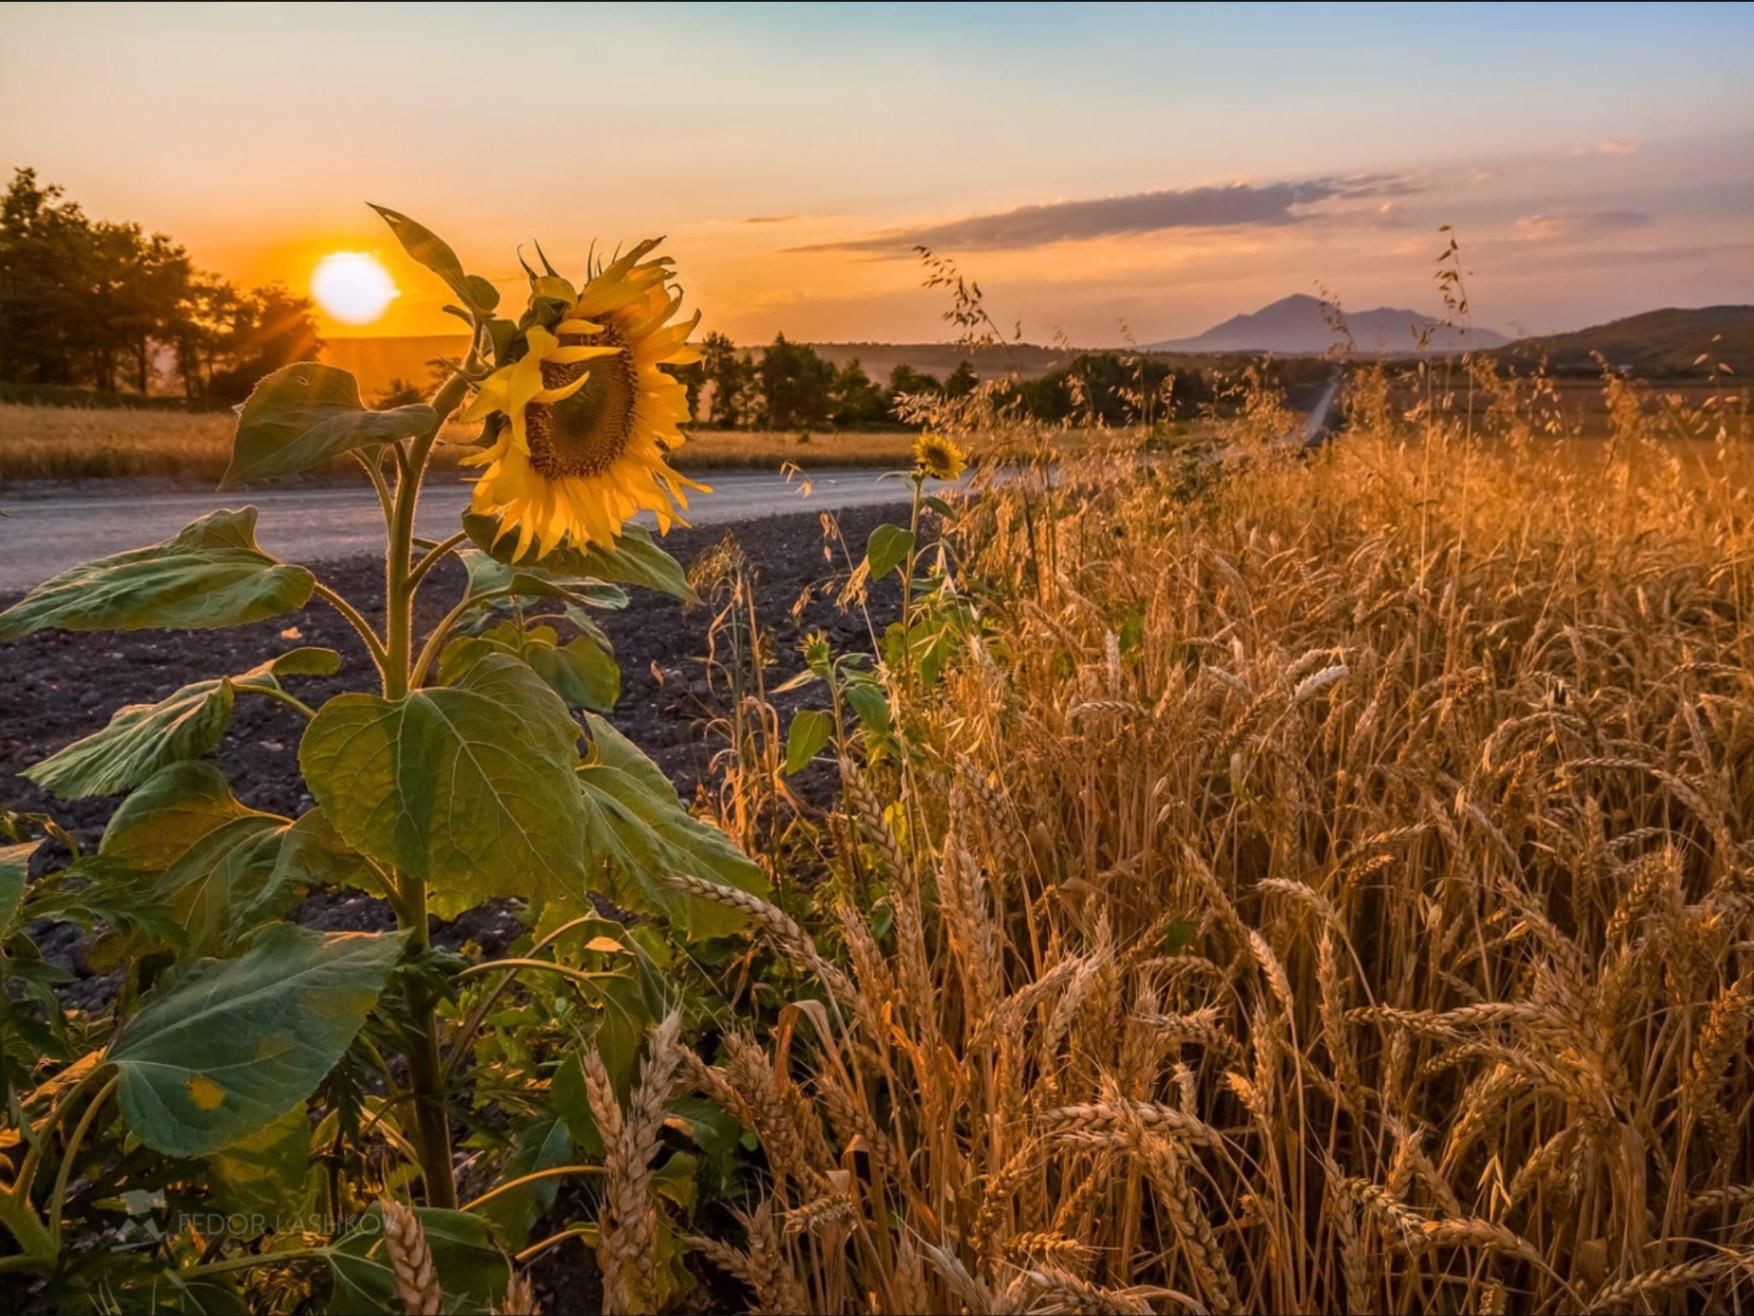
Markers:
point(433, 556)
point(401, 583)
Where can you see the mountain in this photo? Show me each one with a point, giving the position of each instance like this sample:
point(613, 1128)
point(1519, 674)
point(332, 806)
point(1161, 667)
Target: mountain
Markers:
point(1656, 345)
point(1297, 325)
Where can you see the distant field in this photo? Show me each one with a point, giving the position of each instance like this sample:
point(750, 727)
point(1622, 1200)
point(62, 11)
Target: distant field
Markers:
point(1583, 408)
point(68, 443)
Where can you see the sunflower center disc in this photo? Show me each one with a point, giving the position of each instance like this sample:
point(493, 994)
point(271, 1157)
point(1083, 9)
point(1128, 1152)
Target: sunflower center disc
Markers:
point(583, 434)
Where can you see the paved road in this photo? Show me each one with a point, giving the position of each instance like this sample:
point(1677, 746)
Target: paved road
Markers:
point(1318, 426)
point(39, 537)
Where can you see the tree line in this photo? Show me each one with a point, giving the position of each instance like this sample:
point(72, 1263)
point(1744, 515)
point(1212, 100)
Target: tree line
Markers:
point(95, 304)
point(788, 385)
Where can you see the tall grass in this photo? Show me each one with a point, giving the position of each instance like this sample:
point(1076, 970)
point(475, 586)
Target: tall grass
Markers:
point(1329, 890)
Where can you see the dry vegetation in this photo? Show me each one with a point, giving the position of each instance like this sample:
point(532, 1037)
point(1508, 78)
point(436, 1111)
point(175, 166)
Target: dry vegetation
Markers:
point(72, 443)
point(1329, 891)
point(76, 444)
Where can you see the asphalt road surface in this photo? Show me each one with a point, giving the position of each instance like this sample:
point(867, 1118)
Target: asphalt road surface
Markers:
point(41, 536)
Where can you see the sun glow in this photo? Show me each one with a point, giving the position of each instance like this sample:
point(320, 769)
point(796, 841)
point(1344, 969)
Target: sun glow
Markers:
point(352, 286)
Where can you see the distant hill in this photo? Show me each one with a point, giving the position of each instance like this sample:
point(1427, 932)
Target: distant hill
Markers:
point(1297, 326)
point(1656, 345)
point(877, 359)
point(377, 361)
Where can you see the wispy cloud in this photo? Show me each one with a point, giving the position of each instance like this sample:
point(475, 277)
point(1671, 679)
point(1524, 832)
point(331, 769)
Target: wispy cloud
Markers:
point(767, 219)
point(1617, 146)
point(1235, 205)
point(1576, 225)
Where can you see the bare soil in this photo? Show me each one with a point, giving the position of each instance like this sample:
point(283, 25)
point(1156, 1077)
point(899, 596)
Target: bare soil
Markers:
point(56, 687)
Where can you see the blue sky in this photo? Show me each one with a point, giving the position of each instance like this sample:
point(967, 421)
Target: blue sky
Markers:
point(1594, 160)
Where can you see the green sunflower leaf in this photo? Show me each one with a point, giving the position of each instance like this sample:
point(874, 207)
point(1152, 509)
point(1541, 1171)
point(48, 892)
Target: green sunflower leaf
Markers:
point(811, 728)
point(139, 740)
point(235, 1044)
point(467, 787)
point(582, 671)
point(14, 869)
point(219, 866)
point(640, 833)
point(302, 415)
point(635, 559)
point(208, 575)
point(142, 738)
point(435, 253)
point(887, 549)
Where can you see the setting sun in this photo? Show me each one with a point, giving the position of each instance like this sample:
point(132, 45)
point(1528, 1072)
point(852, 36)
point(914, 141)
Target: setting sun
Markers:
point(352, 286)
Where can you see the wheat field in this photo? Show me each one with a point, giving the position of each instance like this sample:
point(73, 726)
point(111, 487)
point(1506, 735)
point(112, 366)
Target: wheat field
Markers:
point(1321, 888)
point(88, 444)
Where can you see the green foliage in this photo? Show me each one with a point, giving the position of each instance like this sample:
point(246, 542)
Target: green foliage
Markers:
point(430, 250)
point(303, 415)
point(795, 386)
point(94, 303)
point(210, 574)
point(465, 787)
point(640, 834)
point(267, 1173)
point(887, 549)
point(216, 866)
point(581, 671)
point(14, 866)
point(142, 738)
point(855, 401)
point(810, 732)
point(734, 401)
point(235, 1044)
point(634, 560)
point(904, 380)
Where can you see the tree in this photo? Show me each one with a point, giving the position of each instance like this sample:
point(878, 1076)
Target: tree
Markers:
point(855, 399)
point(906, 380)
point(103, 304)
point(731, 402)
point(960, 382)
point(796, 385)
point(268, 328)
point(45, 259)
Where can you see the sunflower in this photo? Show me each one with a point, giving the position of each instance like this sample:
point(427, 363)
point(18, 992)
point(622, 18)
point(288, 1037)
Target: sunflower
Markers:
point(591, 414)
point(938, 457)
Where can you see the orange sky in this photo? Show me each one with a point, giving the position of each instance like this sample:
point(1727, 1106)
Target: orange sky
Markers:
point(1164, 168)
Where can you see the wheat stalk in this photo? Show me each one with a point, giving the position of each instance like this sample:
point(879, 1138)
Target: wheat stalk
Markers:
point(417, 1284)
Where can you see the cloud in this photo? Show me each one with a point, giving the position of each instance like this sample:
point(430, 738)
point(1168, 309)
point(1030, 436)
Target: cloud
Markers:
point(767, 219)
point(1576, 225)
point(1617, 146)
point(1238, 204)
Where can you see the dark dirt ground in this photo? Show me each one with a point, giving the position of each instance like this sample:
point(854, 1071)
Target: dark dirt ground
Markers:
point(56, 687)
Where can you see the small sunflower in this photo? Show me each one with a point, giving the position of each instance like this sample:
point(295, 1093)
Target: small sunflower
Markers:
point(938, 457)
point(592, 416)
